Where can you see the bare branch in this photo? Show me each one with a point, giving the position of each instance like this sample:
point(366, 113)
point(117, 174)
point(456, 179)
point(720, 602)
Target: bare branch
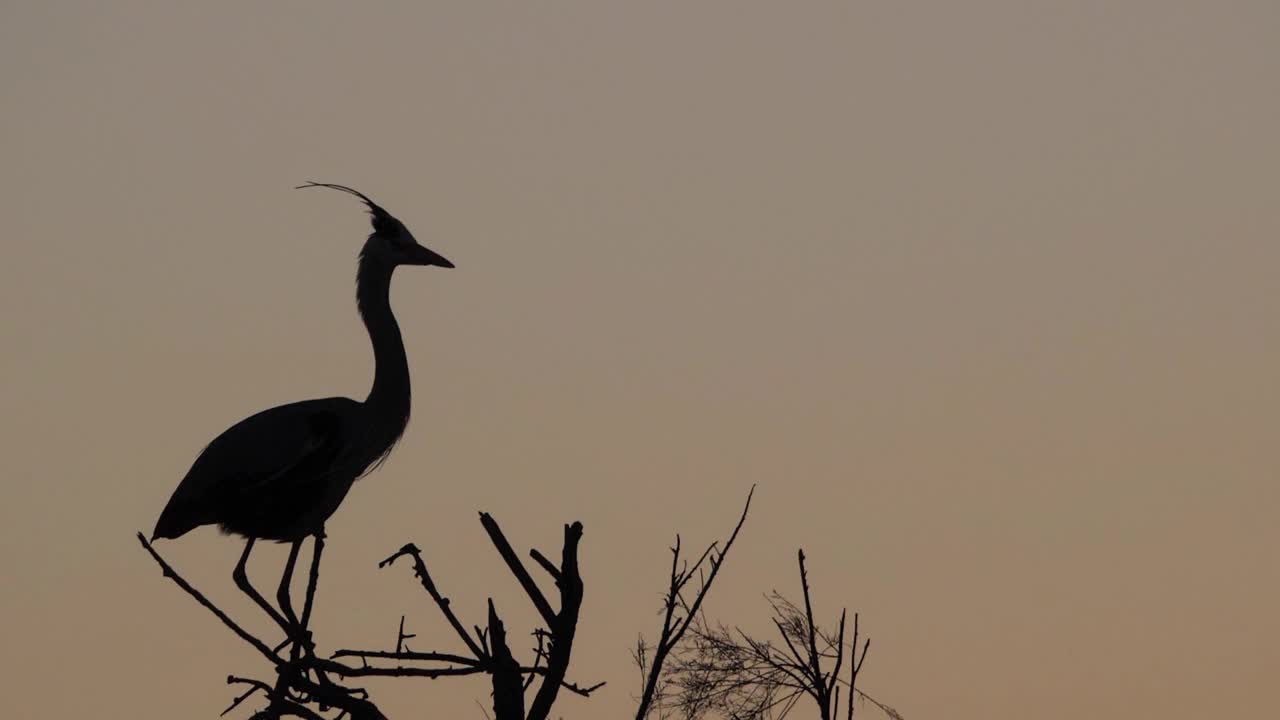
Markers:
point(546, 564)
point(341, 670)
point(254, 686)
point(517, 568)
point(673, 632)
point(173, 575)
point(420, 570)
point(410, 655)
point(835, 673)
point(814, 667)
point(583, 691)
point(563, 625)
point(508, 690)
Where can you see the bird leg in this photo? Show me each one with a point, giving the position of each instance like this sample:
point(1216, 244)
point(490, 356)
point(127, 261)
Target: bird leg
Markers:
point(313, 580)
point(316, 550)
point(294, 630)
point(242, 581)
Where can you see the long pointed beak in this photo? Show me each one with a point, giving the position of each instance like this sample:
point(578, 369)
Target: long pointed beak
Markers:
point(423, 256)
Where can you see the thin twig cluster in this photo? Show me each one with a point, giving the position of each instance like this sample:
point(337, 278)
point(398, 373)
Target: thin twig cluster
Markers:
point(679, 613)
point(718, 671)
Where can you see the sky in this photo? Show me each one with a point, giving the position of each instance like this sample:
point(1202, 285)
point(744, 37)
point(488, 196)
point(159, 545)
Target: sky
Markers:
point(980, 296)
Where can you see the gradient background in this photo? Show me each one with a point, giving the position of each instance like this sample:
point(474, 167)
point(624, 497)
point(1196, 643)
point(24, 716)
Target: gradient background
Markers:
point(982, 295)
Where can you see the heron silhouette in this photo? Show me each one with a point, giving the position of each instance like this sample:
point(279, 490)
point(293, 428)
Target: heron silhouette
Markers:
point(280, 474)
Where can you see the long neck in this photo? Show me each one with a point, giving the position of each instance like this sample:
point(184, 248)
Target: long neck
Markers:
point(388, 400)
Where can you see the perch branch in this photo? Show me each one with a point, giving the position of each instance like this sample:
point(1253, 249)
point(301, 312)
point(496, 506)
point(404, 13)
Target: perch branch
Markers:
point(173, 575)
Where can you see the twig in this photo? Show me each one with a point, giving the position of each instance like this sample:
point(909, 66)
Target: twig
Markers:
point(173, 575)
point(401, 636)
point(673, 631)
point(835, 672)
point(541, 559)
point(420, 570)
point(854, 667)
point(517, 568)
point(470, 667)
point(410, 655)
point(583, 691)
point(815, 669)
point(254, 686)
point(337, 668)
point(281, 706)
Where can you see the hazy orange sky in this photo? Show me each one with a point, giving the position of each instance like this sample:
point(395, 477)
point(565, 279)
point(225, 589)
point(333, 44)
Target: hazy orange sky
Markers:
point(982, 295)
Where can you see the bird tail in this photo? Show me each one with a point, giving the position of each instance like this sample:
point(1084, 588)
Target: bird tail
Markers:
point(176, 521)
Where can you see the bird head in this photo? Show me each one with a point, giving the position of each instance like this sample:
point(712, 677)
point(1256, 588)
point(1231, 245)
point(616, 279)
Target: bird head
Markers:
point(391, 242)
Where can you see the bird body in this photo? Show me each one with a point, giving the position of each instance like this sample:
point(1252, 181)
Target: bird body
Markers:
point(281, 473)
point(277, 475)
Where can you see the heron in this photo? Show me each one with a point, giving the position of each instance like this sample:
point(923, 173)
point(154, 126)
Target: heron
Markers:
point(280, 474)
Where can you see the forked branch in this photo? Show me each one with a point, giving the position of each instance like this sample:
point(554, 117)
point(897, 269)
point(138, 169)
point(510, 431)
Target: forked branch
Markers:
point(674, 627)
point(489, 650)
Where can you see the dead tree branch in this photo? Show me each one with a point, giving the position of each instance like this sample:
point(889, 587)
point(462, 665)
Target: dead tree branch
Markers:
point(305, 685)
point(674, 627)
point(489, 650)
point(694, 670)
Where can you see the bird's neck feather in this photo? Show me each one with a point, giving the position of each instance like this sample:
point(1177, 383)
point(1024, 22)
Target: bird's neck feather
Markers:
point(388, 400)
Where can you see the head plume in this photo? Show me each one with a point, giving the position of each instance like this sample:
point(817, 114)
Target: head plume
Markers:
point(383, 221)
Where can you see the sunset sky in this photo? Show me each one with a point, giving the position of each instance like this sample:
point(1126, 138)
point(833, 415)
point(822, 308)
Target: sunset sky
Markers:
point(981, 295)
